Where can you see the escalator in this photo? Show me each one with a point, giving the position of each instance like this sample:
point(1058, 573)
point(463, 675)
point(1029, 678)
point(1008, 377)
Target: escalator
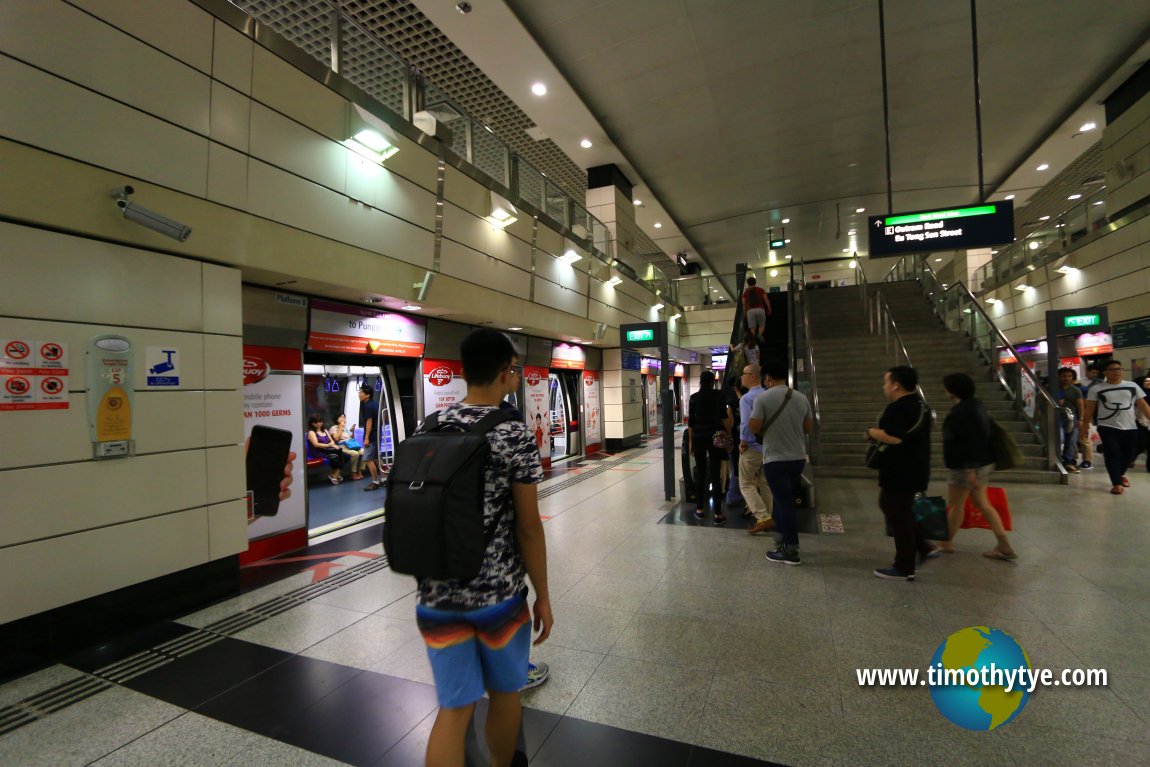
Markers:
point(776, 334)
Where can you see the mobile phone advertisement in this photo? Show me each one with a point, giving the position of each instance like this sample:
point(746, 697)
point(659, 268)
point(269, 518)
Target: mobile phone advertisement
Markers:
point(273, 397)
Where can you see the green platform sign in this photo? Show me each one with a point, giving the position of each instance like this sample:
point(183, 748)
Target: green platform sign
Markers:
point(1081, 321)
point(645, 334)
point(925, 231)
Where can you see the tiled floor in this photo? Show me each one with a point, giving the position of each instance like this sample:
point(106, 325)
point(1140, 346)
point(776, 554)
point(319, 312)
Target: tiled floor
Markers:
point(673, 645)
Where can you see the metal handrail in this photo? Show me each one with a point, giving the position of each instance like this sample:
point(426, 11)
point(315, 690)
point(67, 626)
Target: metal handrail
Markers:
point(965, 296)
point(882, 309)
point(864, 293)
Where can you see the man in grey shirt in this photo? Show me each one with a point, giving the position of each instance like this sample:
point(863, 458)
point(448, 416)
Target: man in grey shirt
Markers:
point(1118, 404)
point(786, 415)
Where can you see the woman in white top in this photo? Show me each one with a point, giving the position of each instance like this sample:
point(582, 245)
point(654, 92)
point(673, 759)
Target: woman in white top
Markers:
point(340, 434)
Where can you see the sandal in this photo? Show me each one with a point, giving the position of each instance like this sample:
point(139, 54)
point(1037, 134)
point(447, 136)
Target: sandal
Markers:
point(996, 554)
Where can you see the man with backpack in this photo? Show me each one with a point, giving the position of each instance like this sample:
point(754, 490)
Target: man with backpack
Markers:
point(477, 629)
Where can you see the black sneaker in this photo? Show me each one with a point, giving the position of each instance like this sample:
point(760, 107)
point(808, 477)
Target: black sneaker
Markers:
point(893, 574)
point(784, 555)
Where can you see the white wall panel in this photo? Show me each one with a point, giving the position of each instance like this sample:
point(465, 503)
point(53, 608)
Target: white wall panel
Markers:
point(463, 227)
point(223, 362)
point(97, 561)
point(558, 297)
point(44, 437)
point(468, 265)
point(466, 193)
point(568, 275)
point(405, 199)
point(227, 176)
point(285, 89)
point(222, 301)
point(232, 58)
point(227, 478)
point(44, 111)
point(231, 117)
point(507, 247)
point(61, 39)
point(227, 529)
point(82, 496)
point(223, 417)
point(165, 421)
point(174, 26)
point(289, 145)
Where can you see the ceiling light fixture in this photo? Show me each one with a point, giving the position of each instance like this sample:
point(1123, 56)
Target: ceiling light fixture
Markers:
point(539, 89)
point(638, 202)
point(1043, 166)
point(614, 280)
point(846, 250)
point(657, 307)
point(1066, 269)
point(851, 233)
point(937, 260)
point(1087, 127)
point(852, 264)
point(774, 272)
point(789, 256)
point(1100, 202)
point(786, 221)
point(570, 257)
point(515, 328)
point(658, 225)
point(412, 308)
point(860, 210)
point(1009, 197)
point(1023, 287)
point(676, 316)
point(1044, 218)
point(585, 143)
point(993, 301)
point(1074, 197)
point(503, 213)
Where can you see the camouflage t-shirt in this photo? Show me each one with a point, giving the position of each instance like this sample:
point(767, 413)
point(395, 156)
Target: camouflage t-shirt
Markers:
point(514, 458)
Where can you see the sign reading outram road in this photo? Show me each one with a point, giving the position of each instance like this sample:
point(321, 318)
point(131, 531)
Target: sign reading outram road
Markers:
point(921, 231)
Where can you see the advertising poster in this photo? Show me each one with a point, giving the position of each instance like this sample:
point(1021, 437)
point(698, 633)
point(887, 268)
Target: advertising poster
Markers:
point(273, 396)
point(536, 386)
point(652, 384)
point(592, 412)
point(568, 357)
point(1093, 343)
point(443, 384)
point(1029, 395)
point(361, 330)
point(33, 375)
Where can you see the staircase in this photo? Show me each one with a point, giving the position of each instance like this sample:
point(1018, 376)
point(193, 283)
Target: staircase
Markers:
point(851, 362)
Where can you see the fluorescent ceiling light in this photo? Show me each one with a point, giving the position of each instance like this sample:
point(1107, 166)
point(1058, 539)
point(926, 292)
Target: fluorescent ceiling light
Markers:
point(774, 272)
point(787, 241)
point(1044, 218)
point(412, 308)
point(502, 213)
point(615, 280)
point(860, 210)
point(1074, 197)
point(789, 256)
point(638, 202)
point(1100, 202)
point(852, 264)
point(515, 328)
point(371, 136)
point(658, 225)
point(539, 89)
point(676, 316)
point(585, 143)
point(786, 221)
point(1034, 245)
point(657, 307)
point(1087, 126)
point(937, 260)
point(1008, 197)
point(846, 250)
point(851, 233)
point(570, 257)
point(1043, 166)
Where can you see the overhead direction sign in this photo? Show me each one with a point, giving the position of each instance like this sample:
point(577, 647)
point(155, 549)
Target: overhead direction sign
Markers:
point(974, 226)
point(643, 335)
point(777, 244)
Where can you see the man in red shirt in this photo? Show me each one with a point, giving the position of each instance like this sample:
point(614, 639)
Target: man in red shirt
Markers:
point(756, 308)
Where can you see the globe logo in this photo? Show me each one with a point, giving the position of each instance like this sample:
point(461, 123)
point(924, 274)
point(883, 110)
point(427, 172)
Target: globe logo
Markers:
point(969, 676)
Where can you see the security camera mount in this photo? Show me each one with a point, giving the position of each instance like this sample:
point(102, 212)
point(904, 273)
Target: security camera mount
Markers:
point(157, 222)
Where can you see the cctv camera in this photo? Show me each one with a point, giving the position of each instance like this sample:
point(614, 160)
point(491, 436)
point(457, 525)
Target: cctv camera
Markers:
point(138, 214)
point(463, 7)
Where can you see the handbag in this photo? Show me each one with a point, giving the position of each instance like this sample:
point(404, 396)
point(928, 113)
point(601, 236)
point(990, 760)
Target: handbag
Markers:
point(723, 441)
point(352, 444)
point(929, 518)
point(876, 449)
point(1003, 449)
point(972, 517)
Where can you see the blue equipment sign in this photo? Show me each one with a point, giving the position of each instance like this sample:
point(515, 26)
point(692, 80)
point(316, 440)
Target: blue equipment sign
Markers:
point(162, 363)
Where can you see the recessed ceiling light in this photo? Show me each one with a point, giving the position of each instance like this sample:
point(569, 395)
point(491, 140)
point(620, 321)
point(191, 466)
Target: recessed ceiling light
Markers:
point(1035, 245)
point(786, 221)
point(1044, 218)
point(774, 272)
point(1008, 197)
point(1100, 202)
point(658, 225)
point(846, 250)
point(1087, 126)
point(585, 143)
point(1074, 197)
point(787, 241)
point(638, 202)
point(539, 89)
point(515, 328)
point(937, 260)
point(789, 256)
point(851, 233)
point(412, 308)
point(1043, 166)
point(860, 210)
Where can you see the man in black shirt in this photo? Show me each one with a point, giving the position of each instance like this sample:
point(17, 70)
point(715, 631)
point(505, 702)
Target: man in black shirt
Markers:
point(904, 468)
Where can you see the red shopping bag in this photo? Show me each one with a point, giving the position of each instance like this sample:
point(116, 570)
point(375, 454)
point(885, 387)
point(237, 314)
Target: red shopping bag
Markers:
point(972, 517)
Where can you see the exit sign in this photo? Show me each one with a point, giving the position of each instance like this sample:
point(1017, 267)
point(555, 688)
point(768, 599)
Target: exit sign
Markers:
point(646, 334)
point(777, 244)
point(1081, 321)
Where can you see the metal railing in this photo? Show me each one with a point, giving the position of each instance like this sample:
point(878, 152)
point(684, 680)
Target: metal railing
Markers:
point(325, 33)
point(882, 322)
point(959, 310)
point(803, 374)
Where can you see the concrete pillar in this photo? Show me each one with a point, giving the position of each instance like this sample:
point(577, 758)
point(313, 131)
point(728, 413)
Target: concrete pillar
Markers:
point(622, 403)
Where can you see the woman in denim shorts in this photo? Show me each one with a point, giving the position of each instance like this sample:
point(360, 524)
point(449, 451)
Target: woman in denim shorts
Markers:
point(966, 453)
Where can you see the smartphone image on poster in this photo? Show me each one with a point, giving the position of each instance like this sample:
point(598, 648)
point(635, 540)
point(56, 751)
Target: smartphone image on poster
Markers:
point(268, 450)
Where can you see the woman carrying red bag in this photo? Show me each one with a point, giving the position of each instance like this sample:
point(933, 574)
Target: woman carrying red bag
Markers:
point(966, 453)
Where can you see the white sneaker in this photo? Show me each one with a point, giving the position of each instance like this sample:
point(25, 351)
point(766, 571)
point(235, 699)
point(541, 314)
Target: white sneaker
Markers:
point(537, 674)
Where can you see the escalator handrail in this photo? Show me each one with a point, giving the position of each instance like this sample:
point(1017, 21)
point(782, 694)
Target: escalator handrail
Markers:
point(809, 360)
point(883, 309)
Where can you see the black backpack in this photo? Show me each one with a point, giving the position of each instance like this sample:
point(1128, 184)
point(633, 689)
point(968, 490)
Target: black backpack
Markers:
point(435, 500)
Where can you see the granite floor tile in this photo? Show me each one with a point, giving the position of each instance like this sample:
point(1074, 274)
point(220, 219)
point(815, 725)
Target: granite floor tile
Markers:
point(365, 643)
point(570, 672)
point(301, 627)
point(370, 593)
point(190, 740)
point(591, 629)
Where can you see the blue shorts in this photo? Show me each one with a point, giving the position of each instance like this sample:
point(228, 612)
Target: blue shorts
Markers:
point(370, 452)
point(476, 650)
